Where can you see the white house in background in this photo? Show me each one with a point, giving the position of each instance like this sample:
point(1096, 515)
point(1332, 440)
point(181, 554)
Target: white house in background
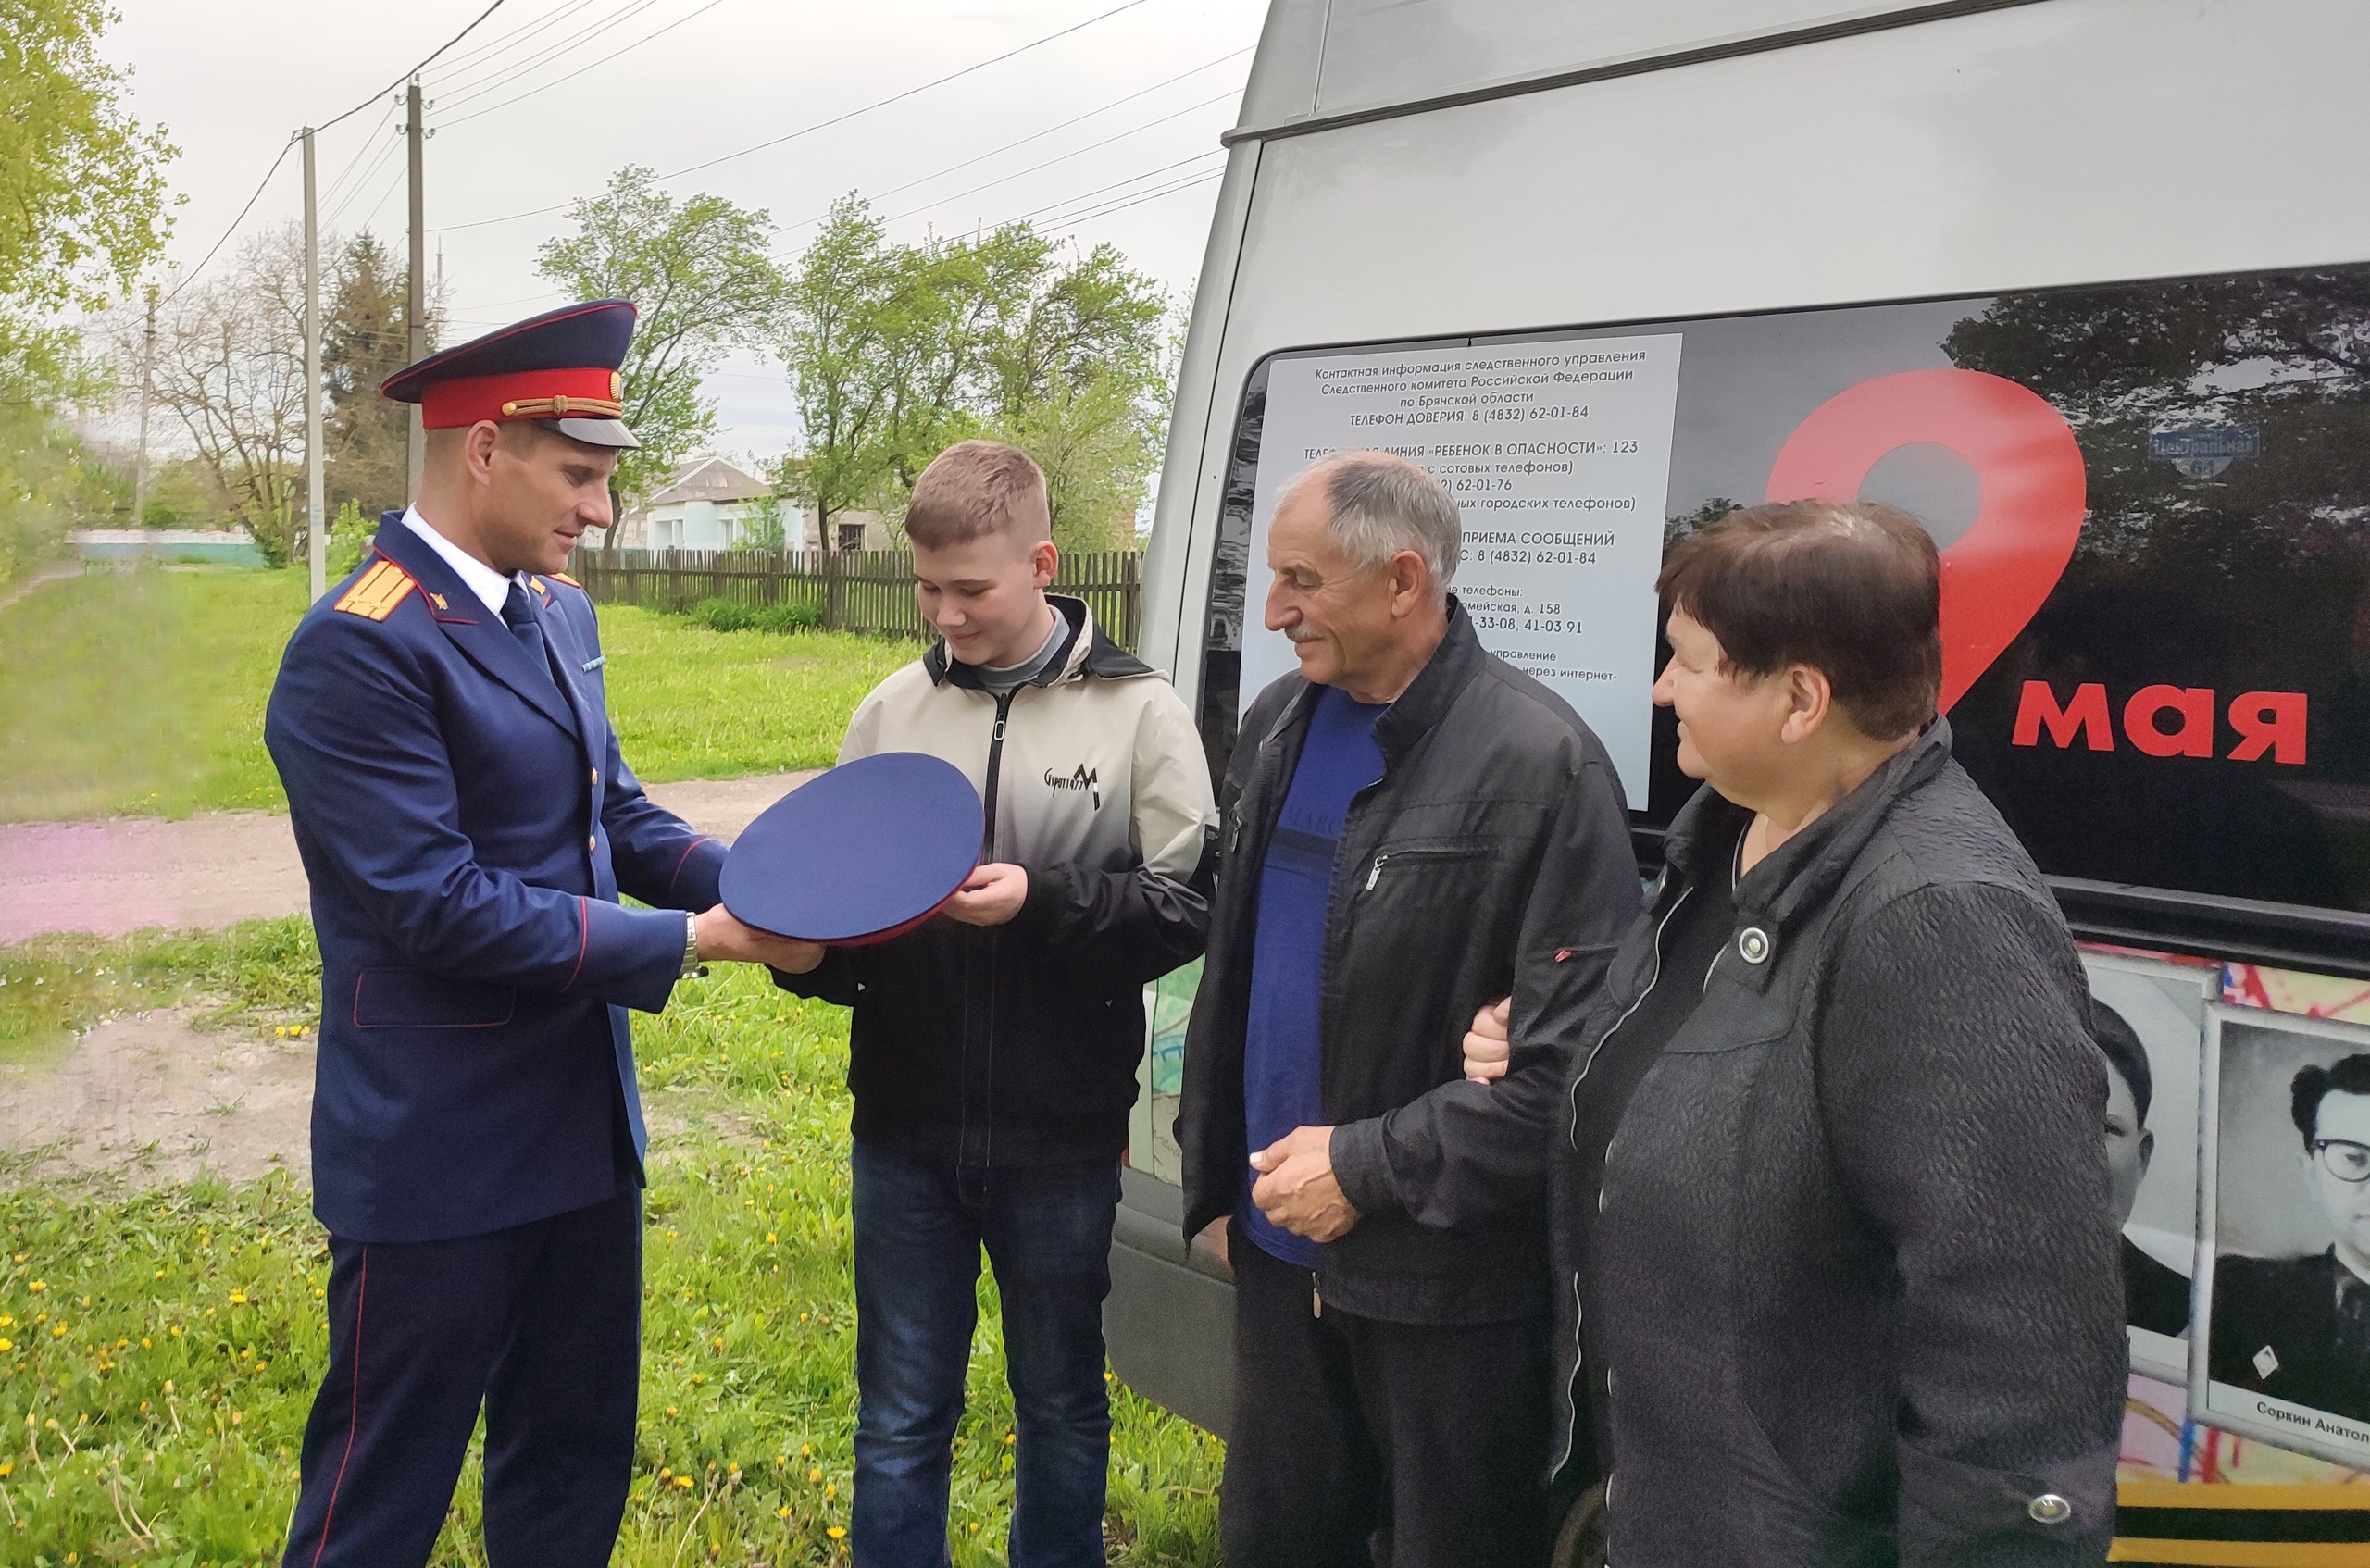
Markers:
point(708, 503)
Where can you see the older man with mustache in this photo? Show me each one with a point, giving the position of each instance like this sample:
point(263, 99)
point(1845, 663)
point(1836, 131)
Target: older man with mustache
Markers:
point(1409, 825)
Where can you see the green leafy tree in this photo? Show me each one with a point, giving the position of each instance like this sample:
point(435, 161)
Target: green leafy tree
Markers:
point(845, 315)
point(701, 271)
point(767, 528)
point(229, 365)
point(1098, 447)
point(365, 337)
point(81, 187)
point(898, 351)
point(82, 210)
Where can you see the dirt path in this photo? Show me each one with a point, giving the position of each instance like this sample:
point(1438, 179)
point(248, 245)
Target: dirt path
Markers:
point(118, 874)
point(155, 1099)
point(57, 573)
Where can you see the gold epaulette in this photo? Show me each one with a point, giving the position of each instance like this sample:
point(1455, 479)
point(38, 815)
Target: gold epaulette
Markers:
point(563, 576)
point(376, 591)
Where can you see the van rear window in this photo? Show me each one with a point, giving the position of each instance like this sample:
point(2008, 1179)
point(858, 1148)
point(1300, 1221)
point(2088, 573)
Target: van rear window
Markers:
point(2153, 501)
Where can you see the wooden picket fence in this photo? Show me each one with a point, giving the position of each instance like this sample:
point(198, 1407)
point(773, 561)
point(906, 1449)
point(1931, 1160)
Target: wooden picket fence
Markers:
point(862, 590)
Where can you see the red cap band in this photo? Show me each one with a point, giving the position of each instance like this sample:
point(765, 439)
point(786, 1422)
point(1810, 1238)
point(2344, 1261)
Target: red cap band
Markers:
point(523, 395)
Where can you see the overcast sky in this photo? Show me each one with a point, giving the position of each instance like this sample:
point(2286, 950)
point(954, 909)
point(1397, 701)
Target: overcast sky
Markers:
point(692, 81)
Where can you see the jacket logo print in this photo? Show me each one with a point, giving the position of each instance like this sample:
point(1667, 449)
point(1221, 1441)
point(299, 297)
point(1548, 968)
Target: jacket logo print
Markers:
point(1083, 778)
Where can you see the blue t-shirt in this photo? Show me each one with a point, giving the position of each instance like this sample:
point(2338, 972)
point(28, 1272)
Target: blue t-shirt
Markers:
point(1281, 1066)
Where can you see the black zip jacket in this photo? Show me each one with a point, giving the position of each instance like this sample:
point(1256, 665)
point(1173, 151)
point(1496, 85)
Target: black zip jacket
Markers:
point(1017, 1044)
point(1851, 1266)
point(1497, 833)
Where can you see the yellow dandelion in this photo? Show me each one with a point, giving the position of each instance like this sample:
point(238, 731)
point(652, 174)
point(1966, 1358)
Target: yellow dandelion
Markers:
point(5, 1346)
point(6, 1469)
point(58, 1332)
point(975, 1527)
point(36, 1285)
point(147, 1346)
point(782, 1512)
point(814, 1476)
point(769, 1238)
point(836, 1533)
point(684, 1482)
point(1007, 1438)
point(169, 1385)
point(830, 1491)
point(671, 1410)
point(238, 1297)
point(716, 1343)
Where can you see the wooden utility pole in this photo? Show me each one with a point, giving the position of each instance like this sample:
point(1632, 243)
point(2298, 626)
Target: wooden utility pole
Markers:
point(317, 528)
point(147, 381)
point(415, 305)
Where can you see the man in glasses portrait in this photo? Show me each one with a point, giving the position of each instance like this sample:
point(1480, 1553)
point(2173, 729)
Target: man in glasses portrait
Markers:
point(2299, 1328)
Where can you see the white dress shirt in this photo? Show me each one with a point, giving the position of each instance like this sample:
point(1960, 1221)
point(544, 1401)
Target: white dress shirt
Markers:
point(482, 579)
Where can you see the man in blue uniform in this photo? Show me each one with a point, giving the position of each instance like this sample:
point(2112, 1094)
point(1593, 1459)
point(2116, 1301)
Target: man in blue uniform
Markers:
point(467, 823)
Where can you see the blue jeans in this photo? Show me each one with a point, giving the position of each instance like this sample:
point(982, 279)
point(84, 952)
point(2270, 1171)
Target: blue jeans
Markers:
point(919, 1226)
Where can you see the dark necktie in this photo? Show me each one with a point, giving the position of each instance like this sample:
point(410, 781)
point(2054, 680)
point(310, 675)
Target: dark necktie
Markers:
point(518, 615)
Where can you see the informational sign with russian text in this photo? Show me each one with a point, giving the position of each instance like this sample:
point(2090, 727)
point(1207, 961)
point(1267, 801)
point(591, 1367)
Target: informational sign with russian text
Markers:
point(1558, 453)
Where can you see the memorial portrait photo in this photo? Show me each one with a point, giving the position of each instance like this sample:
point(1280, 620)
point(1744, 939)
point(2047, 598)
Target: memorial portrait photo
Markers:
point(2150, 1020)
point(2285, 1233)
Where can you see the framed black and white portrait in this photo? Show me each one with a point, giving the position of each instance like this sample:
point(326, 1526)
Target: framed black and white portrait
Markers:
point(2283, 1319)
point(2148, 1018)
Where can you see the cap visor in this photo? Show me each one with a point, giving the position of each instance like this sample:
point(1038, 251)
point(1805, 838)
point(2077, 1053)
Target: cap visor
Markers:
point(597, 432)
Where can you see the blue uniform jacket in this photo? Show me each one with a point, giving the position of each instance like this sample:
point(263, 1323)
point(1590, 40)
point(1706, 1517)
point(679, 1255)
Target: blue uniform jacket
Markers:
point(467, 828)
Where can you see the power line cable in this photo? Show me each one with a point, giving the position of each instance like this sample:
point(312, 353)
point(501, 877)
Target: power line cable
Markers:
point(1036, 135)
point(1171, 189)
point(580, 71)
point(415, 70)
point(191, 276)
point(910, 92)
point(369, 178)
point(835, 120)
point(548, 39)
point(452, 96)
point(500, 43)
point(1081, 152)
point(1116, 185)
point(392, 186)
point(362, 151)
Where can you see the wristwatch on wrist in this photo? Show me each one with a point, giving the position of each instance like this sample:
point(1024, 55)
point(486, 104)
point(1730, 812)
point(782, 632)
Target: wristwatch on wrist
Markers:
point(691, 947)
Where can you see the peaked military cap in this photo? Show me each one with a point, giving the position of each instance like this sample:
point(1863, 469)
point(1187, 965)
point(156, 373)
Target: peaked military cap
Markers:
point(560, 367)
point(858, 854)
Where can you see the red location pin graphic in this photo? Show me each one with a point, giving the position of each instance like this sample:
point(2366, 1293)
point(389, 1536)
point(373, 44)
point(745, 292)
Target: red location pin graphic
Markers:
point(2025, 457)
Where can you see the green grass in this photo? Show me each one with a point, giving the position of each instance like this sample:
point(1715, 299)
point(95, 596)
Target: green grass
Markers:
point(155, 1387)
point(142, 692)
point(690, 703)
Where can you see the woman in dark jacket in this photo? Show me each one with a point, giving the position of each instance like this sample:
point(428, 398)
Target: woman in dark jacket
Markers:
point(1832, 1217)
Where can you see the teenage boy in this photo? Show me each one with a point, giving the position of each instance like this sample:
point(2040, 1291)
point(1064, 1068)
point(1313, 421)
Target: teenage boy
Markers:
point(993, 1052)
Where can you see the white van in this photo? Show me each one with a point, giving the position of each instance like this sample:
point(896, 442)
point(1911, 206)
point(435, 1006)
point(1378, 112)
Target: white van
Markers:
point(2085, 284)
